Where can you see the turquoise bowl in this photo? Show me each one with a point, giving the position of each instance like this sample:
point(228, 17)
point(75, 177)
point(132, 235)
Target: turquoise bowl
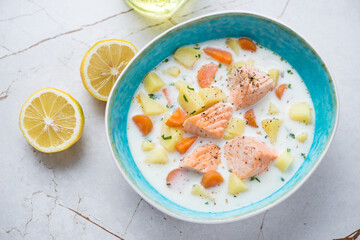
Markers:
point(267, 32)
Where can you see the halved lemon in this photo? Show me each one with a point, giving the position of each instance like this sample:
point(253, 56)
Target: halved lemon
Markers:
point(102, 65)
point(51, 120)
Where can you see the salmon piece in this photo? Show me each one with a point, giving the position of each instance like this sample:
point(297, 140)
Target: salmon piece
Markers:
point(248, 157)
point(248, 85)
point(210, 123)
point(203, 159)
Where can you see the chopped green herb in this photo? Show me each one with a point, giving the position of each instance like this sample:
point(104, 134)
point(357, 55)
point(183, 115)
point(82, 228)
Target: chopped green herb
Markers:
point(282, 59)
point(166, 60)
point(171, 84)
point(292, 135)
point(169, 106)
point(220, 65)
point(207, 203)
point(282, 179)
point(288, 150)
point(197, 56)
point(251, 78)
point(289, 72)
point(168, 184)
point(289, 86)
point(235, 196)
point(247, 122)
point(230, 170)
point(197, 48)
point(193, 112)
point(190, 88)
point(185, 98)
point(161, 119)
point(303, 155)
point(254, 178)
point(260, 46)
point(152, 96)
point(166, 138)
point(203, 107)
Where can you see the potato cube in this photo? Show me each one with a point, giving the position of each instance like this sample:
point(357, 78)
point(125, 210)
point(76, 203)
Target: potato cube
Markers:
point(187, 56)
point(273, 109)
point(152, 82)
point(170, 136)
point(198, 190)
point(211, 96)
point(302, 137)
point(236, 185)
point(151, 106)
point(146, 145)
point(233, 44)
point(157, 156)
point(301, 112)
point(189, 99)
point(192, 103)
point(274, 74)
point(236, 65)
point(173, 71)
point(235, 128)
point(284, 161)
point(271, 127)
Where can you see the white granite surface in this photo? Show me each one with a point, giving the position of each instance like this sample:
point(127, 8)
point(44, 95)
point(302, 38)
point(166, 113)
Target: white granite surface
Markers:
point(80, 193)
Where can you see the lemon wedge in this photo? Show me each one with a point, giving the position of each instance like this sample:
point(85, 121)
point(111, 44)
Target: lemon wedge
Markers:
point(102, 65)
point(51, 120)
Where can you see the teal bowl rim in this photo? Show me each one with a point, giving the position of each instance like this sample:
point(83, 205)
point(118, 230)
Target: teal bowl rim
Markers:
point(297, 184)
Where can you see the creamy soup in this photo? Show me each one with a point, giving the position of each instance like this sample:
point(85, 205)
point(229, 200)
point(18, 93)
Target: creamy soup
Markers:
point(292, 141)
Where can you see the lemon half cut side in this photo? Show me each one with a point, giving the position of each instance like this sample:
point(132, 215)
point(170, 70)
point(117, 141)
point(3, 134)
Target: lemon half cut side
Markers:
point(51, 120)
point(102, 65)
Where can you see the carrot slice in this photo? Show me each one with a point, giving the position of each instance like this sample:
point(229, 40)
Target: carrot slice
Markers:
point(176, 119)
point(250, 117)
point(280, 90)
point(206, 74)
point(211, 179)
point(173, 174)
point(138, 98)
point(144, 124)
point(218, 54)
point(247, 44)
point(175, 177)
point(185, 144)
point(164, 90)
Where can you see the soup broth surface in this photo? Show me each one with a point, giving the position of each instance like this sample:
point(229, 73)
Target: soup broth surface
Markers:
point(264, 184)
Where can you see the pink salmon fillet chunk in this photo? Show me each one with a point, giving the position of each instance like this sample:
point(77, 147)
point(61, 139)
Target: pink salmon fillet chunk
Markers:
point(248, 157)
point(204, 158)
point(210, 123)
point(247, 86)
